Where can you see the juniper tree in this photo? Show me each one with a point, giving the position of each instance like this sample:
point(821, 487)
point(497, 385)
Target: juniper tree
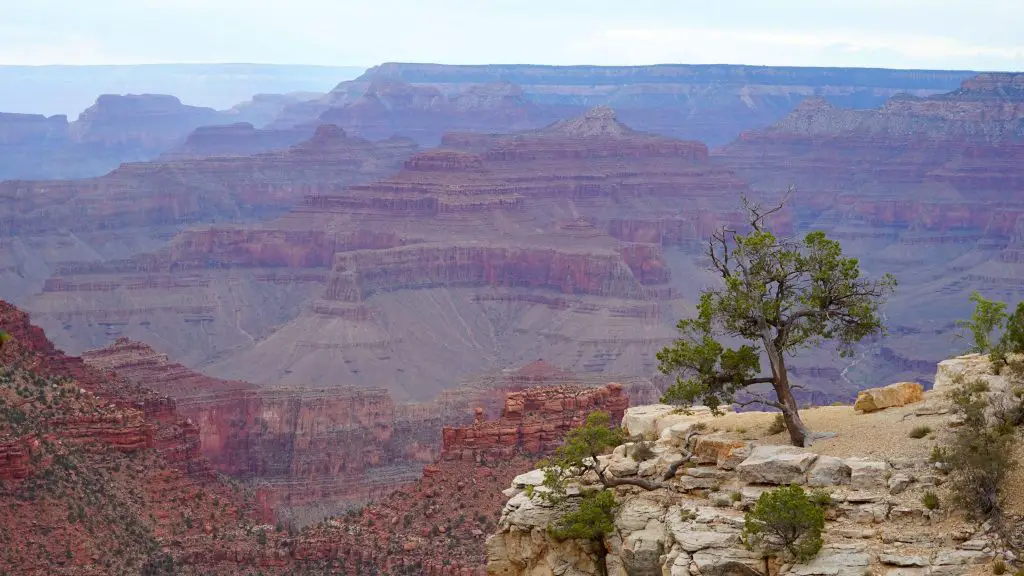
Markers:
point(778, 296)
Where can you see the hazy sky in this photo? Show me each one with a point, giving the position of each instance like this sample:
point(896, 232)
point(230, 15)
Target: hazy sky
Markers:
point(975, 34)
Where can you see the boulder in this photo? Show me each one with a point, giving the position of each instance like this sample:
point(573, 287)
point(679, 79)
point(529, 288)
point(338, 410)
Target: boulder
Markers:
point(868, 474)
point(971, 367)
point(531, 478)
point(899, 482)
point(899, 394)
point(642, 420)
point(828, 471)
point(622, 467)
point(776, 465)
point(635, 513)
point(642, 550)
point(713, 448)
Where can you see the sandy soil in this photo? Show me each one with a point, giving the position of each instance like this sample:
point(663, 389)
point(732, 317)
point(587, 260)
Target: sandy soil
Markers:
point(882, 434)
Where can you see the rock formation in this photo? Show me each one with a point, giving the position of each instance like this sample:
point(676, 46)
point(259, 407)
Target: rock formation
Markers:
point(238, 139)
point(116, 129)
point(712, 104)
point(533, 421)
point(876, 521)
point(102, 476)
point(47, 225)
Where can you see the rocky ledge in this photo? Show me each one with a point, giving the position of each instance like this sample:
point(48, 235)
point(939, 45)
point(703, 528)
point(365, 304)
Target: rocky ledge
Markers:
point(876, 521)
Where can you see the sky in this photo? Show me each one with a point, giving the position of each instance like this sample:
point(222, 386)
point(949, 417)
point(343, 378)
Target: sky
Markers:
point(949, 34)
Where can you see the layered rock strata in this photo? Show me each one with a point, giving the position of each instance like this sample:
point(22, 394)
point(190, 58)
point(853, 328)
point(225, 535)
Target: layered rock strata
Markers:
point(708, 103)
point(533, 421)
point(102, 476)
point(504, 242)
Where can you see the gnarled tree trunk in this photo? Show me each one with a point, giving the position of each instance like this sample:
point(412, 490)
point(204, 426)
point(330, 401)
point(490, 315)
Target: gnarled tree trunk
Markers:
point(798, 433)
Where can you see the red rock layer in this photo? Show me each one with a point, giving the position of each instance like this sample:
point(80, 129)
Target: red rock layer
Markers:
point(533, 421)
point(101, 476)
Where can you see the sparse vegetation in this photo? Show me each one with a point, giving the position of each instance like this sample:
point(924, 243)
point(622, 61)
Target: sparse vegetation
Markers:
point(785, 522)
point(979, 455)
point(919, 432)
point(779, 296)
point(999, 567)
point(777, 426)
point(930, 500)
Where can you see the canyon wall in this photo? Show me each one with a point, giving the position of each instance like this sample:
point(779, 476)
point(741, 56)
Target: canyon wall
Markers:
point(709, 103)
point(101, 475)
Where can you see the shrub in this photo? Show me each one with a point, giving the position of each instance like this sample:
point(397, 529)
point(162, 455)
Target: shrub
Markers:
point(920, 431)
point(735, 496)
point(999, 567)
point(777, 426)
point(930, 500)
point(785, 520)
point(591, 521)
point(980, 453)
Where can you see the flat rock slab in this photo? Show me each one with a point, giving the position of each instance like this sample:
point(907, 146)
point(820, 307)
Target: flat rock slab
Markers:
point(776, 465)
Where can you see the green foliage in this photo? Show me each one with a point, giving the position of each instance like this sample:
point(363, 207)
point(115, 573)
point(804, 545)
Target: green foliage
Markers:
point(988, 317)
point(919, 432)
point(785, 520)
point(979, 456)
point(4, 338)
point(777, 425)
point(580, 450)
point(591, 521)
point(930, 500)
point(778, 296)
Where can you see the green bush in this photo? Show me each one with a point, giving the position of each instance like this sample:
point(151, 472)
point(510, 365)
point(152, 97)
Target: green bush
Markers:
point(920, 431)
point(785, 520)
point(591, 521)
point(930, 500)
point(777, 426)
point(980, 454)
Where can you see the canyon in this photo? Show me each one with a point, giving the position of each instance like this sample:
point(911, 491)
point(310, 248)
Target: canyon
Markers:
point(320, 452)
point(502, 242)
point(101, 446)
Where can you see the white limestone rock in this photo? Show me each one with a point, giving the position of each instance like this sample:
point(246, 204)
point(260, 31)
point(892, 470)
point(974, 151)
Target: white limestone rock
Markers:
point(776, 465)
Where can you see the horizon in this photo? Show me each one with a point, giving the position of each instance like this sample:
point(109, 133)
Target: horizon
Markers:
point(887, 34)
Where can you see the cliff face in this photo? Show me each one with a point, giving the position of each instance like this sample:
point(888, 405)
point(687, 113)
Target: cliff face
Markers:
point(925, 187)
point(712, 104)
point(533, 421)
point(875, 521)
point(100, 475)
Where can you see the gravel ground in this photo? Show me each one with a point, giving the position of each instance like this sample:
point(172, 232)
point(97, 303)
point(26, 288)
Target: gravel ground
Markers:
point(882, 434)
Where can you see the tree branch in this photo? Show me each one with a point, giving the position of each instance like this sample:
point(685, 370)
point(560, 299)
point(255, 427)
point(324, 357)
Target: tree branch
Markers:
point(671, 471)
